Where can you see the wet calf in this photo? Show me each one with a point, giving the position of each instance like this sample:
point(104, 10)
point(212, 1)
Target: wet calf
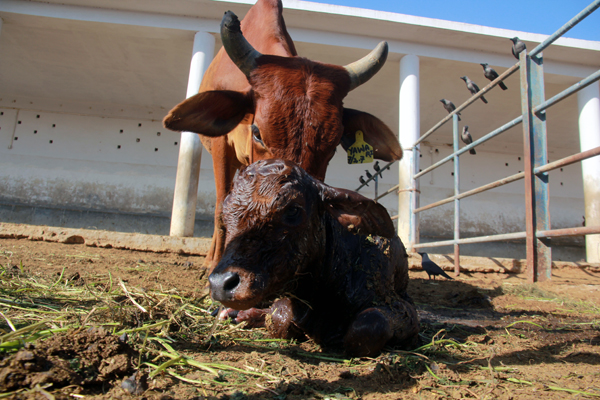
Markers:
point(330, 258)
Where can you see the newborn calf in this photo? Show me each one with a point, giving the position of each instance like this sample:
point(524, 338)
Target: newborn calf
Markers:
point(329, 256)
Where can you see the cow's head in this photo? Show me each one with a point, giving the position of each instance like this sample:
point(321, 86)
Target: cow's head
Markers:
point(292, 109)
point(275, 218)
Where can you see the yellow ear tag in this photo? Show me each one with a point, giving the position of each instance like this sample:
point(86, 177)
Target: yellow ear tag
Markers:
point(360, 152)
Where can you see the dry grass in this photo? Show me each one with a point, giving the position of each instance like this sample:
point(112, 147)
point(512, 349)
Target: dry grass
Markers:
point(174, 334)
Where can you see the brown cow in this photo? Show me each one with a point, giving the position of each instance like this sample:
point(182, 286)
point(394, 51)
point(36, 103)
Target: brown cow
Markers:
point(331, 253)
point(268, 103)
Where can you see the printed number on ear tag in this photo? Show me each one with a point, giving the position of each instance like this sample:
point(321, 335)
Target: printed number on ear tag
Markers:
point(360, 152)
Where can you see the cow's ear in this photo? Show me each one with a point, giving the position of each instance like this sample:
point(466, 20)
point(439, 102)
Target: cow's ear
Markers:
point(212, 113)
point(375, 132)
point(357, 213)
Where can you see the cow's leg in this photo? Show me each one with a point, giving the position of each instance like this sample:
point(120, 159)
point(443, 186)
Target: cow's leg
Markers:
point(374, 327)
point(224, 166)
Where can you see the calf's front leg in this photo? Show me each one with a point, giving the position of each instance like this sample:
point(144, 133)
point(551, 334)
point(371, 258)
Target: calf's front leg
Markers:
point(278, 319)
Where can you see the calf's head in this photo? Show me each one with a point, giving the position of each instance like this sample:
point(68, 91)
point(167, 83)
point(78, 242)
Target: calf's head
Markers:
point(276, 218)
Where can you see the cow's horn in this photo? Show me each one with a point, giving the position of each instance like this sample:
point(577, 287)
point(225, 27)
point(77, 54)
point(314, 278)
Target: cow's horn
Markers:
point(237, 47)
point(362, 70)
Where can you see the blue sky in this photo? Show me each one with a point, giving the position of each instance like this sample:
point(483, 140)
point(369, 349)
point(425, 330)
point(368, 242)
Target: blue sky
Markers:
point(534, 16)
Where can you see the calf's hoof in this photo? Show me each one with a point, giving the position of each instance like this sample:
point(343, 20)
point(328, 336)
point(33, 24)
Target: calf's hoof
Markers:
point(280, 321)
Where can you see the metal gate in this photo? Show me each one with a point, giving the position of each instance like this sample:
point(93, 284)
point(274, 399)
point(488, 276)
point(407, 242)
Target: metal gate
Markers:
point(533, 106)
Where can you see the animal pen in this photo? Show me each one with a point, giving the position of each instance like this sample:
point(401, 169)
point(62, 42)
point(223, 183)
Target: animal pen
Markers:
point(536, 166)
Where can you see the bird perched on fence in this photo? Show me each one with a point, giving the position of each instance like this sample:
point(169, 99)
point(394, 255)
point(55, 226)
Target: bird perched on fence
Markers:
point(517, 47)
point(368, 174)
point(449, 106)
point(466, 138)
point(362, 180)
point(377, 168)
point(472, 86)
point(432, 268)
point(491, 74)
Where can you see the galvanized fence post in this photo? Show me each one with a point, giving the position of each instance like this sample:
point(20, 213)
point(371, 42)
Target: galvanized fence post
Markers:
point(414, 233)
point(539, 258)
point(456, 193)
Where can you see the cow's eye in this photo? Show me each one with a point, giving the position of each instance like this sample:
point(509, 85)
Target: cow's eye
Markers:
point(292, 215)
point(256, 134)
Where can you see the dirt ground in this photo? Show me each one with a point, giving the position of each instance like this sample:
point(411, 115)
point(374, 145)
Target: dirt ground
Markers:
point(87, 322)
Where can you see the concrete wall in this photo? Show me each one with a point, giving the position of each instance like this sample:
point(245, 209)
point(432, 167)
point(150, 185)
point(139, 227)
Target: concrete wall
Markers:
point(85, 162)
point(126, 167)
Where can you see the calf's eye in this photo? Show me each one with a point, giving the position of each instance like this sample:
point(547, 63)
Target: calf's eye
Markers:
point(293, 215)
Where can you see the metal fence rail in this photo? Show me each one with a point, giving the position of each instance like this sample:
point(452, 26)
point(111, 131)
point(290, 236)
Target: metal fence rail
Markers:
point(535, 174)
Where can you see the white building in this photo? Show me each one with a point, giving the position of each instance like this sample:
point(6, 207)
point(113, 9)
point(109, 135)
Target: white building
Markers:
point(84, 86)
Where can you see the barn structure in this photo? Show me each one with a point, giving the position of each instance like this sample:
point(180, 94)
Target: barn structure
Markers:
point(84, 86)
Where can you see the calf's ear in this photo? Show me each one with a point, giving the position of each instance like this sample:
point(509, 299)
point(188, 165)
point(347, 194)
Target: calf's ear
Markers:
point(375, 132)
point(212, 113)
point(357, 213)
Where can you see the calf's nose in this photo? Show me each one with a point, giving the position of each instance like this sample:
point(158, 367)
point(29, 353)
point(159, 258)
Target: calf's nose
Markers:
point(223, 285)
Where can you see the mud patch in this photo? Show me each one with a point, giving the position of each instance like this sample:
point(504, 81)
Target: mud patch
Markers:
point(82, 359)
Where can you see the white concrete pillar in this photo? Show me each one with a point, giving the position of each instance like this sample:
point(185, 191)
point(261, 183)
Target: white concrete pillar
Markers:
point(588, 100)
point(409, 129)
point(190, 148)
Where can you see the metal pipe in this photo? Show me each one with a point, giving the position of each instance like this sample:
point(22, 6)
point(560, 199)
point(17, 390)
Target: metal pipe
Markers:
point(456, 194)
point(478, 239)
point(566, 27)
point(472, 99)
point(579, 231)
point(567, 92)
point(568, 160)
point(483, 139)
point(492, 185)
point(528, 164)
point(586, 230)
point(509, 179)
point(390, 190)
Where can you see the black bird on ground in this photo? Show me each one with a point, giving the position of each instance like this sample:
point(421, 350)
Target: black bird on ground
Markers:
point(362, 180)
point(368, 174)
point(466, 138)
point(432, 268)
point(517, 47)
point(449, 106)
point(491, 74)
point(472, 86)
